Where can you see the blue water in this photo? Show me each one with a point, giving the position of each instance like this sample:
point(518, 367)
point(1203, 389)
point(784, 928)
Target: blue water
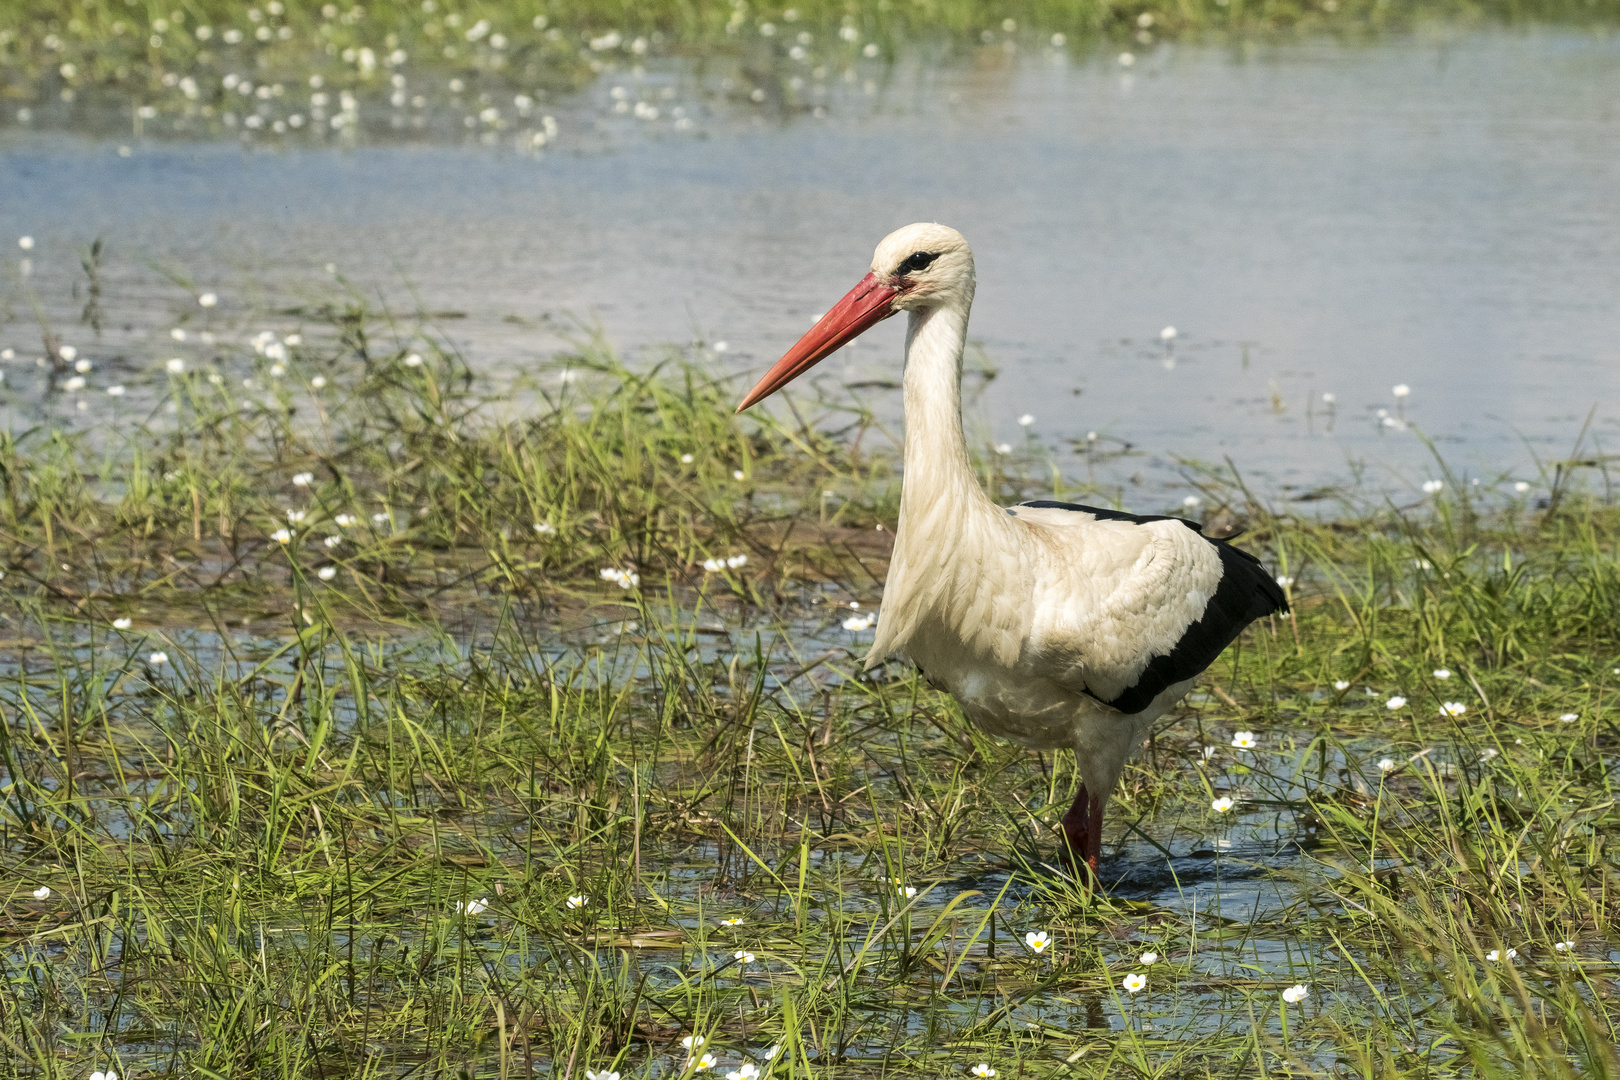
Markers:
point(1312, 218)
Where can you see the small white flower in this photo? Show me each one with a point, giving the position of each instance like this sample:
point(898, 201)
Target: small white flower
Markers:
point(707, 1061)
point(1026, 420)
point(1442, 673)
point(1386, 765)
point(1209, 752)
point(303, 479)
point(1285, 581)
point(1329, 399)
point(157, 658)
point(332, 541)
point(208, 299)
point(473, 907)
point(1191, 501)
point(1341, 684)
point(907, 891)
point(1149, 958)
point(1295, 994)
point(1003, 448)
point(109, 1075)
point(543, 528)
point(343, 521)
point(1243, 740)
point(82, 366)
point(603, 1075)
point(1135, 983)
point(578, 902)
point(982, 1069)
point(714, 566)
point(1563, 946)
point(326, 573)
point(123, 623)
point(1430, 487)
point(692, 1042)
point(116, 391)
point(1488, 753)
point(318, 381)
point(1400, 390)
point(42, 893)
point(1453, 708)
point(1167, 334)
point(296, 516)
point(772, 1050)
point(1222, 804)
point(858, 623)
point(1569, 718)
point(281, 536)
point(736, 474)
point(1521, 487)
point(26, 243)
point(380, 518)
point(75, 383)
point(744, 955)
point(687, 459)
point(413, 360)
point(1498, 954)
point(736, 561)
point(735, 920)
point(746, 1071)
point(1038, 941)
point(1396, 702)
point(175, 366)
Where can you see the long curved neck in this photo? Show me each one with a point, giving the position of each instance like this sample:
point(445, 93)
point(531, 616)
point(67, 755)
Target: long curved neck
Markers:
point(937, 465)
point(946, 519)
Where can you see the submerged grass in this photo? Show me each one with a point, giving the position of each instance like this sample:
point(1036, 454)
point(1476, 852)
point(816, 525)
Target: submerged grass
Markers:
point(465, 806)
point(300, 70)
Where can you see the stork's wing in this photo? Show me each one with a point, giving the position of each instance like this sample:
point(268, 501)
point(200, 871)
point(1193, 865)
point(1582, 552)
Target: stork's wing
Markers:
point(1160, 615)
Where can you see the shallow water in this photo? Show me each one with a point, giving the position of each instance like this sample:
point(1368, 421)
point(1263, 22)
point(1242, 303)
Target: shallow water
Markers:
point(1312, 218)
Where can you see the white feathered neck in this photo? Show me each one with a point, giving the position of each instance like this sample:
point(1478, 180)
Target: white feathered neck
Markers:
point(947, 522)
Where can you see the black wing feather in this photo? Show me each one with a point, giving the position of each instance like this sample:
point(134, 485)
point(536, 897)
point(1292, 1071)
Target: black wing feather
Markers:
point(1246, 592)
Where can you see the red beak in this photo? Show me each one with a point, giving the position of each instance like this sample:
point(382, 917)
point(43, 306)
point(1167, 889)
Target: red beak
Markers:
point(866, 305)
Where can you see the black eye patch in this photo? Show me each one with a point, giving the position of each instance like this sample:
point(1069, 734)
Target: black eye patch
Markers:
point(917, 260)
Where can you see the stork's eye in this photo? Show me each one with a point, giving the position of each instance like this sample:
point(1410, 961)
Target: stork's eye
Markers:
point(918, 260)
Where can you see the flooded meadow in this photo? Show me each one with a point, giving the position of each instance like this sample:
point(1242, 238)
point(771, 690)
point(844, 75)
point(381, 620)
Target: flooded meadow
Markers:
point(412, 666)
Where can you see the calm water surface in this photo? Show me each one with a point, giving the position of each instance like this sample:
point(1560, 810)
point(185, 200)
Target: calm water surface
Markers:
point(1439, 212)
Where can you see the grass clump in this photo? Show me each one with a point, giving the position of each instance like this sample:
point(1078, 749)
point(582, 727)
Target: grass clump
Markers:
point(465, 806)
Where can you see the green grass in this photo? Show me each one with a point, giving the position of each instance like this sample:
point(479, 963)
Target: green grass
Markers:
point(149, 68)
point(258, 850)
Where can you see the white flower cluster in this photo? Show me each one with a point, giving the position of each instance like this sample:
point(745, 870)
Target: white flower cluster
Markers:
point(624, 579)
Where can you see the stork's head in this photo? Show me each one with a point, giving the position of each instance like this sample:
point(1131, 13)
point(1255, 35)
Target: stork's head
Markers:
point(920, 266)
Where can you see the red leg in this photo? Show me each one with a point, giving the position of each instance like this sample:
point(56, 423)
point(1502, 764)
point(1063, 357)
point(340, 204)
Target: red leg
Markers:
point(1082, 833)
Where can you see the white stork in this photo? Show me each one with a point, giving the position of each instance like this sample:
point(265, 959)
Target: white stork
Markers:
point(1053, 624)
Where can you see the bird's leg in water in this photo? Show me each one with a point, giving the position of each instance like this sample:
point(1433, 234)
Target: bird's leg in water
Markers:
point(1082, 833)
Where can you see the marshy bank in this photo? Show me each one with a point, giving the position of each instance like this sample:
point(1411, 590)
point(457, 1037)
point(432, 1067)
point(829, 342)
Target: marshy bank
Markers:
point(399, 680)
point(363, 720)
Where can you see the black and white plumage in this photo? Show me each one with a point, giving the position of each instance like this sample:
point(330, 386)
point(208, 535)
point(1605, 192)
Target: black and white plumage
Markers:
point(1053, 624)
